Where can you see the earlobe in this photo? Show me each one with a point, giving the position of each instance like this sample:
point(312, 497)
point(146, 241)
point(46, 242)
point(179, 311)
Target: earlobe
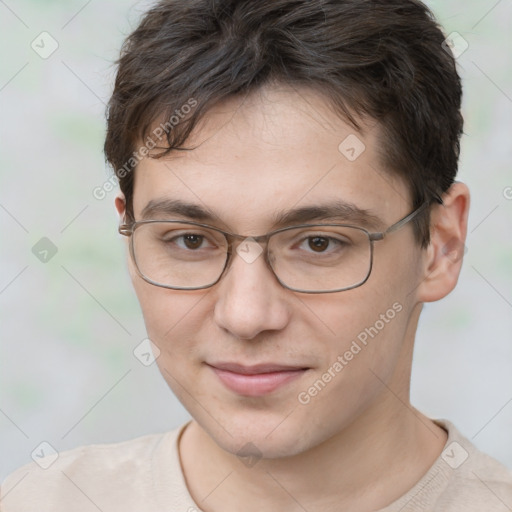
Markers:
point(444, 255)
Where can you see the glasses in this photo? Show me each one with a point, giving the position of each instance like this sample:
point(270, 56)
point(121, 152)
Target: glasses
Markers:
point(310, 258)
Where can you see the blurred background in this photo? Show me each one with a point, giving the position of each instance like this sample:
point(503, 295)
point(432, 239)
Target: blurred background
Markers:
point(69, 320)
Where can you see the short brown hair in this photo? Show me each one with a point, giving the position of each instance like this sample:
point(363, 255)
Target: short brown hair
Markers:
point(383, 59)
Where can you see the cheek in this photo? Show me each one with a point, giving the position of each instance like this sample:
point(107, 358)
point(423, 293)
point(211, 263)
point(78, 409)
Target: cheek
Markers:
point(365, 351)
point(367, 329)
point(170, 316)
point(171, 320)
point(372, 336)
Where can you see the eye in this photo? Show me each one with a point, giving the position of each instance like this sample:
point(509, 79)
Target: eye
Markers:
point(187, 241)
point(318, 244)
point(324, 244)
point(191, 240)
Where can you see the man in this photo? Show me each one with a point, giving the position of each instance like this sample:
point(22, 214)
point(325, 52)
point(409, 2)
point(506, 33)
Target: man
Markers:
point(288, 200)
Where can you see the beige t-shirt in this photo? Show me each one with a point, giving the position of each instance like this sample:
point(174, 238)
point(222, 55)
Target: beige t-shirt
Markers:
point(144, 475)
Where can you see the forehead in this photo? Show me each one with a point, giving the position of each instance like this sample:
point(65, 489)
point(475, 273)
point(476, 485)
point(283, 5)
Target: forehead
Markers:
point(277, 149)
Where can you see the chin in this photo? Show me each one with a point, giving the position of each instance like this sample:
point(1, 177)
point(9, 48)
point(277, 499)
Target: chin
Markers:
point(259, 434)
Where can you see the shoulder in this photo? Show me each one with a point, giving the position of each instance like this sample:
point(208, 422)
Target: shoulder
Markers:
point(476, 481)
point(462, 479)
point(86, 477)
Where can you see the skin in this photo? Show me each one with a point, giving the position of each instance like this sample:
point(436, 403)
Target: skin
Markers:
point(357, 445)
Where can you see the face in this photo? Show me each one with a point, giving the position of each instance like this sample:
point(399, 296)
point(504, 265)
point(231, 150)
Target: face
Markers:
point(276, 151)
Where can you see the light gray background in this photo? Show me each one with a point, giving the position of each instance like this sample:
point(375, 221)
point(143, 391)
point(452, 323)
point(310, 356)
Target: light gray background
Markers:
point(68, 375)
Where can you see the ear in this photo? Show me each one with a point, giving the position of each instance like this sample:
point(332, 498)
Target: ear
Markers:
point(443, 257)
point(120, 204)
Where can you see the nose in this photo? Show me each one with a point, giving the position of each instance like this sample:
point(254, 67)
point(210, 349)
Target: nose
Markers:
point(250, 298)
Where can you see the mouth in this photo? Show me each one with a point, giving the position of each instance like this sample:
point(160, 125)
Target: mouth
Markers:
point(256, 380)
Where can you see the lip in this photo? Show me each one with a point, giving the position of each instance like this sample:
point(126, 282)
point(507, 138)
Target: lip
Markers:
point(256, 380)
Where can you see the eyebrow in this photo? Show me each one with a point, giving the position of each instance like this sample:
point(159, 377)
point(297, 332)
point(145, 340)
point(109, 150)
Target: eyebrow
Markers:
point(333, 211)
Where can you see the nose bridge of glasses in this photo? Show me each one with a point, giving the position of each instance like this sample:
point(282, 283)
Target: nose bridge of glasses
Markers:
point(248, 249)
point(234, 240)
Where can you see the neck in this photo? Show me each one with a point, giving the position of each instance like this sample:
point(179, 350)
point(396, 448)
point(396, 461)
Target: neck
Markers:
point(365, 467)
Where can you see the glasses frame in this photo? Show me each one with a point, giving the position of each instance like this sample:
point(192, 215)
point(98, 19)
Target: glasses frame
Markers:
point(129, 229)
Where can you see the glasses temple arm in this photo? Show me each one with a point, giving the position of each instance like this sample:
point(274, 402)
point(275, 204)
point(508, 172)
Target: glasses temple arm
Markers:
point(408, 218)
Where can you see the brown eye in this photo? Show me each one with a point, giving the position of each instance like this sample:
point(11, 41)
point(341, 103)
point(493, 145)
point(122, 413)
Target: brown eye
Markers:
point(192, 241)
point(318, 244)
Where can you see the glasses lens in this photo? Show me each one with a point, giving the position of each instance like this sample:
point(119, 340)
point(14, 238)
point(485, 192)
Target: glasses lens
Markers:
point(315, 258)
point(321, 258)
point(179, 255)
